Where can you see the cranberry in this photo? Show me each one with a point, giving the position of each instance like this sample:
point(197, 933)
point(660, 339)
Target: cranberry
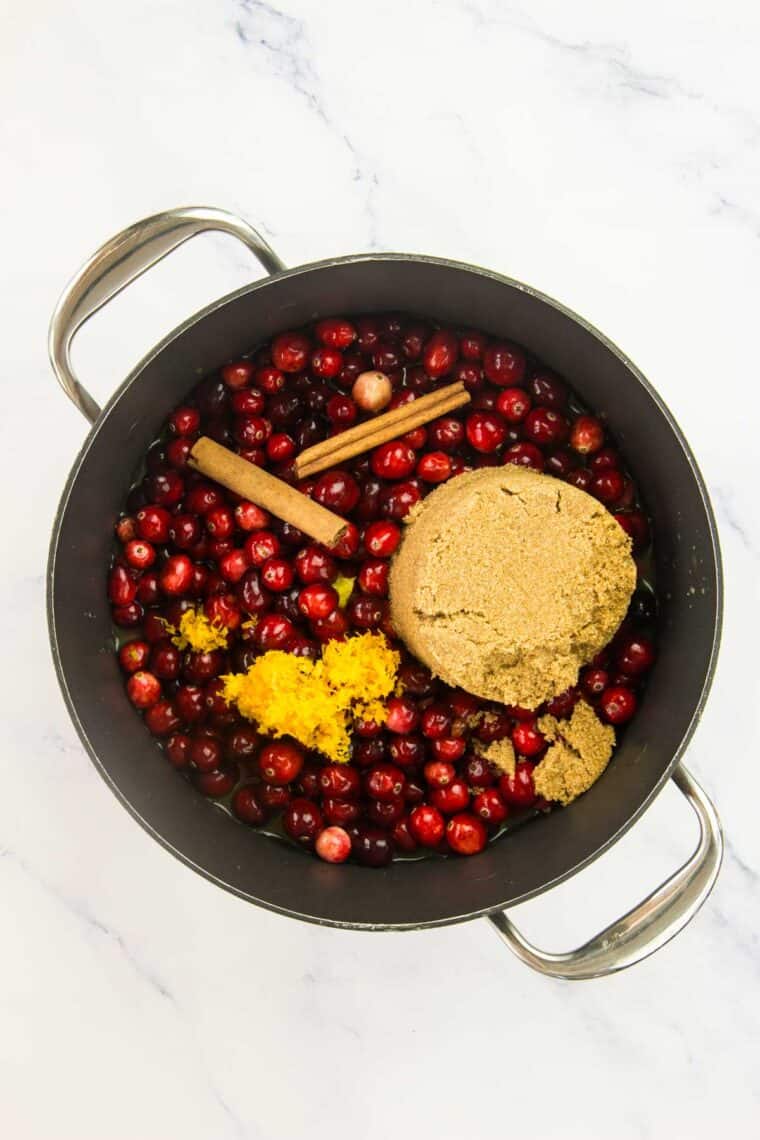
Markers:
point(466, 834)
point(248, 403)
point(604, 459)
point(252, 596)
point(495, 724)
point(527, 739)
point(440, 354)
point(339, 780)
point(133, 656)
point(594, 682)
point(393, 460)
point(233, 566)
point(372, 846)
point(273, 632)
point(478, 772)
point(217, 783)
point(548, 390)
point(333, 845)
point(382, 538)
point(317, 601)
point(559, 463)
point(617, 704)
point(406, 751)
point(385, 813)
point(185, 421)
point(414, 792)
point(586, 435)
point(454, 797)
point(341, 812)
point(373, 577)
point(290, 352)
point(280, 762)
point(581, 478)
point(518, 788)
point(274, 797)
point(122, 587)
point(312, 564)
point(247, 806)
point(489, 806)
point(447, 433)
point(439, 773)
point(238, 374)
point(162, 718)
point(402, 716)
point(326, 363)
point(261, 546)
point(513, 404)
point(436, 722)
point(332, 628)
point(364, 612)
point(449, 748)
point(190, 701)
point(397, 501)
point(608, 485)
point(201, 499)
point(178, 749)
point(165, 489)
point(270, 380)
point(426, 825)
point(338, 491)
point(563, 704)
point(525, 455)
point(485, 431)
point(249, 517)
point(126, 529)
point(201, 666)
point(223, 610)
point(280, 447)
point(143, 689)
point(205, 753)
point(348, 543)
point(335, 332)
point(402, 836)
point(277, 574)
point(545, 427)
point(341, 410)
point(385, 782)
point(635, 525)
point(302, 821)
point(435, 467)
point(504, 364)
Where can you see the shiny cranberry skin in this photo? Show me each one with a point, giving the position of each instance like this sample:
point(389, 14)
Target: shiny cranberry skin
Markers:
point(280, 447)
point(548, 390)
point(290, 352)
point(449, 748)
point(489, 806)
point(402, 836)
point(302, 821)
point(594, 682)
point(635, 525)
point(563, 704)
point(373, 577)
point(485, 431)
point(341, 410)
point(201, 499)
point(559, 463)
point(277, 574)
point(364, 611)
point(217, 783)
point(252, 596)
point(247, 806)
point(249, 517)
point(233, 566)
point(581, 478)
point(185, 421)
point(280, 762)
point(413, 340)
point(604, 459)
point(617, 704)
point(220, 522)
point(472, 345)
point(122, 586)
point(436, 722)
point(513, 404)
point(335, 332)
point(478, 772)
point(504, 364)
point(326, 363)
point(332, 628)
point(143, 689)
point(405, 751)
point(190, 702)
point(372, 846)
point(274, 797)
point(162, 719)
point(439, 773)
point(252, 431)
point(241, 744)
point(426, 825)
point(260, 546)
point(367, 753)
point(416, 678)
point(545, 427)
point(223, 610)
point(348, 544)
point(397, 501)
point(133, 656)
point(446, 434)
point(385, 782)
point(586, 435)
point(312, 564)
point(525, 455)
point(238, 374)
point(518, 788)
point(270, 380)
point(176, 575)
point(205, 753)
point(340, 780)
point(199, 667)
point(248, 403)
point(273, 632)
point(139, 554)
point(382, 538)
point(393, 460)
point(452, 798)
point(333, 845)
point(385, 813)
point(440, 354)
point(402, 716)
point(527, 739)
point(178, 749)
point(434, 467)
point(126, 529)
point(338, 491)
point(495, 724)
point(608, 485)
point(317, 601)
point(466, 834)
point(342, 812)
point(178, 451)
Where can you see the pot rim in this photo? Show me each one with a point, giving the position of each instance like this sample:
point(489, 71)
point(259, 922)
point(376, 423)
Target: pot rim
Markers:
point(588, 327)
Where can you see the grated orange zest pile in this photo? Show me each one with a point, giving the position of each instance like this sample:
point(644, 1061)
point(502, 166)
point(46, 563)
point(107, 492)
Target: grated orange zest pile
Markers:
point(197, 632)
point(315, 702)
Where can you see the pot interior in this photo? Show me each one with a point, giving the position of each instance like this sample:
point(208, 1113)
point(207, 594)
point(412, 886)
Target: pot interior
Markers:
point(429, 891)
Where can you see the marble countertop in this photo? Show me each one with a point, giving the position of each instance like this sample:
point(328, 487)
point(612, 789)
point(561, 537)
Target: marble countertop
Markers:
point(610, 158)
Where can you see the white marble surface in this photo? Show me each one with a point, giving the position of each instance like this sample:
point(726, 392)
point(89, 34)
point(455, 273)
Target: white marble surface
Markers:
point(605, 153)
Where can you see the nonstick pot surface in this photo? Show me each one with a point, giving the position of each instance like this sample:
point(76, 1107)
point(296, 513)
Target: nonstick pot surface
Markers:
point(430, 891)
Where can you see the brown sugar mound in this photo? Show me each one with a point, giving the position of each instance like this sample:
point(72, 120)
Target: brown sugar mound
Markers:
point(580, 753)
point(508, 581)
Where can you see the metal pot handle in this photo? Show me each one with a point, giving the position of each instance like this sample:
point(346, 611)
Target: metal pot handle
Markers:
point(645, 929)
point(124, 258)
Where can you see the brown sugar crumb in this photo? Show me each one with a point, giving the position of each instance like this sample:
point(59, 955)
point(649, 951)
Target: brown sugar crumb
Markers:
point(501, 754)
point(507, 581)
point(580, 753)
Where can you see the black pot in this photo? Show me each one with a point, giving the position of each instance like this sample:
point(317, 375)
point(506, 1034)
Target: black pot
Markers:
point(433, 891)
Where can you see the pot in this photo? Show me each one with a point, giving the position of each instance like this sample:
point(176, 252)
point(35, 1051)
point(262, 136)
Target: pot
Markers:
point(431, 892)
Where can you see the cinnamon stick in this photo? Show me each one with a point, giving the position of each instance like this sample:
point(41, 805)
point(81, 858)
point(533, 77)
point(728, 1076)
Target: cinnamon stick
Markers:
point(370, 434)
point(265, 490)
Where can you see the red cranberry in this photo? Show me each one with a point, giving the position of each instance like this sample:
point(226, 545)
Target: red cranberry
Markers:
point(581, 478)
point(608, 485)
point(126, 529)
point(434, 467)
point(341, 410)
point(436, 722)
point(339, 780)
point(635, 525)
point(233, 566)
point(372, 846)
point(525, 455)
point(504, 364)
point(313, 564)
point(397, 501)
point(338, 491)
point(317, 601)
point(406, 751)
point(348, 543)
point(439, 773)
point(382, 538)
point(617, 704)
point(527, 739)
point(414, 792)
point(563, 704)
point(247, 806)
point(466, 834)
point(154, 627)
point(199, 667)
point(393, 460)
point(594, 682)
point(545, 426)
point(290, 352)
point(252, 431)
point(364, 611)
point(385, 782)
point(514, 404)
point(548, 390)
point(238, 374)
point(485, 431)
point(454, 797)
point(241, 744)
point(280, 447)
point(260, 546)
point(185, 531)
point(367, 753)
point(447, 433)
point(273, 632)
point(190, 701)
point(478, 772)
point(604, 459)
point(176, 575)
point(277, 574)
point(326, 363)
point(185, 421)
point(559, 463)
point(223, 610)
point(373, 577)
point(449, 748)
point(201, 499)
point(335, 332)
point(341, 812)
point(586, 435)
point(251, 595)
point(205, 753)
point(402, 836)
point(248, 403)
point(270, 380)
point(402, 716)
point(166, 489)
point(274, 797)
point(217, 783)
point(162, 719)
point(489, 806)
point(332, 628)
point(280, 762)
point(440, 354)
point(413, 340)
point(133, 656)
point(495, 724)
point(122, 587)
point(139, 554)
point(302, 821)
point(333, 845)
point(178, 452)
point(385, 813)
point(250, 517)
point(426, 825)
point(178, 749)
point(518, 788)
point(143, 689)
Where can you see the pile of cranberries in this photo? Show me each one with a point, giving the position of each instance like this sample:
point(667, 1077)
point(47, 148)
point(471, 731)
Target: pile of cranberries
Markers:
point(416, 783)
